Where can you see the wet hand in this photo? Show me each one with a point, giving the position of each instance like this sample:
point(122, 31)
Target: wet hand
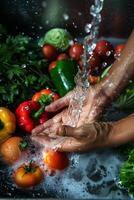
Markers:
point(84, 138)
point(92, 109)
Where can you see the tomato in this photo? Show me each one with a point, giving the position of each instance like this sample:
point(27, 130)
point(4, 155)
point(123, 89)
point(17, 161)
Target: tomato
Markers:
point(94, 60)
point(52, 65)
point(62, 56)
point(56, 160)
point(49, 52)
point(94, 79)
point(118, 49)
point(46, 92)
point(76, 51)
point(11, 149)
point(104, 48)
point(28, 175)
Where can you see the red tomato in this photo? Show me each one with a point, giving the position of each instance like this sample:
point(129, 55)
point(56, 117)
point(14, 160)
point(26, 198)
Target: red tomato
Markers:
point(94, 60)
point(62, 56)
point(52, 65)
point(76, 51)
point(104, 48)
point(119, 48)
point(56, 160)
point(49, 52)
point(28, 175)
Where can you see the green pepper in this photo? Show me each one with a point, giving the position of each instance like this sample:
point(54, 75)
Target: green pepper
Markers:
point(63, 76)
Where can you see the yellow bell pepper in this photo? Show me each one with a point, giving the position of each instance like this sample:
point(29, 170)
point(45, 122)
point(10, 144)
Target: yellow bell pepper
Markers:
point(7, 123)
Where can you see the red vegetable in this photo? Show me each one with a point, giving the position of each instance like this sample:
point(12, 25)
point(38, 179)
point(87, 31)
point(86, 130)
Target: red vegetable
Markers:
point(104, 48)
point(94, 60)
point(29, 114)
point(49, 52)
point(52, 65)
point(118, 49)
point(76, 51)
point(62, 56)
point(47, 94)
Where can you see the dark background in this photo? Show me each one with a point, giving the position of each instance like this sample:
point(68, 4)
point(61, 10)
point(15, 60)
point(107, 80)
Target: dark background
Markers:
point(34, 17)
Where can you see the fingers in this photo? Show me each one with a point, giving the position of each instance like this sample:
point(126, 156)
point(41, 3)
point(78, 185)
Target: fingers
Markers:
point(65, 144)
point(41, 128)
point(57, 105)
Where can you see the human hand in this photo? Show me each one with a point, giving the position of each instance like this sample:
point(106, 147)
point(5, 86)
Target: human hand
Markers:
point(84, 138)
point(94, 105)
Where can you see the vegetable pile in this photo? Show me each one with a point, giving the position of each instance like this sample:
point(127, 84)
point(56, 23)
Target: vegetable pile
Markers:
point(34, 74)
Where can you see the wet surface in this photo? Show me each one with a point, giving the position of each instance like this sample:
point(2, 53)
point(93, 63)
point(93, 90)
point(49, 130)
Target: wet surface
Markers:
point(91, 175)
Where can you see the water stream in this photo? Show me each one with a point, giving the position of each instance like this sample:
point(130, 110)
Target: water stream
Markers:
point(82, 83)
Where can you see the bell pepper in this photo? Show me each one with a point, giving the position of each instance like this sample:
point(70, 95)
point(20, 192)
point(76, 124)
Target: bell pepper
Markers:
point(30, 114)
point(7, 123)
point(63, 76)
point(45, 96)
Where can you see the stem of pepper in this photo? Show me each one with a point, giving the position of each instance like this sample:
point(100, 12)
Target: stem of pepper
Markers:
point(1, 125)
point(37, 114)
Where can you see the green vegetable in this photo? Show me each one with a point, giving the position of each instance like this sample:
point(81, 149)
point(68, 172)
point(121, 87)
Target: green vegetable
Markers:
point(23, 69)
point(63, 76)
point(105, 72)
point(126, 99)
point(57, 37)
point(127, 174)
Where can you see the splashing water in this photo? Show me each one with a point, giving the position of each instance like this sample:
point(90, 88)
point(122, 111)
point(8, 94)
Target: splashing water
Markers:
point(81, 79)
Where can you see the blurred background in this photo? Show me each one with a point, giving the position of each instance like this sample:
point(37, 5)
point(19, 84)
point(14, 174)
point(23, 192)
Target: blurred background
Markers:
point(34, 17)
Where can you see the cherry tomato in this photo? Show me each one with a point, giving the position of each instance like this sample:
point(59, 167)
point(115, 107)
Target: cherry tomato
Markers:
point(118, 49)
point(62, 56)
point(52, 65)
point(76, 51)
point(46, 92)
point(94, 60)
point(49, 52)
point(11, 150)
point(28, 175)
point(56, 160)
point(104, 48)
point(94, 79)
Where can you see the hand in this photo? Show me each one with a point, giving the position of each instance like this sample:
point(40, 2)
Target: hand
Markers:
point(92, 109)
point(84, 138)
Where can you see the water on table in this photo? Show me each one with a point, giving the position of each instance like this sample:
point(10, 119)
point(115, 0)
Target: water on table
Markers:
point(89, 176)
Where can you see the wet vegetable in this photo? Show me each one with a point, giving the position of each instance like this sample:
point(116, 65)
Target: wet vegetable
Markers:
point(7, 123)
point(23, 69)
point(49, 52)
point(104, 48)
point(58, 37)
point(63, 76)
point(11, 150)
point(127, 173)
point(76, 51)
point(62, 56)
point(28, 175)
point(56, 160)
point(29, 114)
point(118, 49)
point(45, 97)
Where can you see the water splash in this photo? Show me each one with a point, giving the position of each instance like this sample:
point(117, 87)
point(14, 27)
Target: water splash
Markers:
point(81, 79)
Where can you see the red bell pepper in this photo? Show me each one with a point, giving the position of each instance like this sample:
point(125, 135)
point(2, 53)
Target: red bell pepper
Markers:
point(30, 114)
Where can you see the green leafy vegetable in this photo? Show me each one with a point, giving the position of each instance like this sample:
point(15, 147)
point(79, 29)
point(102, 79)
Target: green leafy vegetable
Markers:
point(127, 173)
point(23, 69)
point(58, 37)
point(126, 99)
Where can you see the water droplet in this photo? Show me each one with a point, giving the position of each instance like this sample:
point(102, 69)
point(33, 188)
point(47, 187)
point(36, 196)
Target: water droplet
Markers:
point(24, 66)
point(108, 53)
point(47, 22)
point(65, 16)
point(79, 13)
point(88, 28)
point(44, 4)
